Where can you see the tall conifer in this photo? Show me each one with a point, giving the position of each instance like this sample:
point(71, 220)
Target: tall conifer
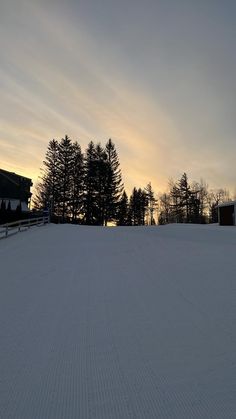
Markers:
point(65, 167)
point(47, 189)
point(77, 183)
point(122, 213)
point(90, 185)
point(115, 186)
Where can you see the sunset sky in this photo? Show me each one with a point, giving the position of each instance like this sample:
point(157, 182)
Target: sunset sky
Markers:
point(156, 76)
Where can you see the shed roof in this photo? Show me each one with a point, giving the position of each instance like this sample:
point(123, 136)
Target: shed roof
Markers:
point(227, 204)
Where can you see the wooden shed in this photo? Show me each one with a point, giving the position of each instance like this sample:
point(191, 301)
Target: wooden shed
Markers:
point(227, 213)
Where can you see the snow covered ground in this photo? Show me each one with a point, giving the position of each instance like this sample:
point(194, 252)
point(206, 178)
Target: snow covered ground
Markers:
point(105, 323)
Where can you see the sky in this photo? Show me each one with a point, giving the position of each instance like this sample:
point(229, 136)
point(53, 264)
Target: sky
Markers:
point(156, 76)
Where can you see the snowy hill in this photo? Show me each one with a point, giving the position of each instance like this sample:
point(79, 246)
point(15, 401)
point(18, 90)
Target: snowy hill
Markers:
point(104, 323)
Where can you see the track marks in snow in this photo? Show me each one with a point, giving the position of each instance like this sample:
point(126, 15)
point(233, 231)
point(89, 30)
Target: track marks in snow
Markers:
point(116, 323)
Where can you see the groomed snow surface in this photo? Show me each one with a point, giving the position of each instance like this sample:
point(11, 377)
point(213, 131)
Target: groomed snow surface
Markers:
point(105, 323)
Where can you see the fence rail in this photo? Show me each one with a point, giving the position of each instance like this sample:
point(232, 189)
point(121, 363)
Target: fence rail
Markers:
point(21, 225)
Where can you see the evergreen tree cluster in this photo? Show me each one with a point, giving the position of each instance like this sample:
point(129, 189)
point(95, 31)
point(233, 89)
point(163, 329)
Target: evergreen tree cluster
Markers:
point(83, 188)
point(87, 188)
point(141, 207)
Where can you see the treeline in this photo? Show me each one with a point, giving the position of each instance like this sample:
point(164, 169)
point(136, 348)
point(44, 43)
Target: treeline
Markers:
point(190, 203)
point(87, 188)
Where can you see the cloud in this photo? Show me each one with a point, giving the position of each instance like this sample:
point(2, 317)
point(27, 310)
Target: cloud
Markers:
point(57, 77)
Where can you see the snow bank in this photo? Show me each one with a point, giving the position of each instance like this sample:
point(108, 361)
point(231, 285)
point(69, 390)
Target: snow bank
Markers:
point(118, 323)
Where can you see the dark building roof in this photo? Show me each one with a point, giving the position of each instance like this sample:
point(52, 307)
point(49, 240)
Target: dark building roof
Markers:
point(226, 204)
point(13, 186)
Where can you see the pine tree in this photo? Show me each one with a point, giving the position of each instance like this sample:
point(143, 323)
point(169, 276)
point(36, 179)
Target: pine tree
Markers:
point(65, 166)
point(137, 207)
point(41, 197)
point(181, 197)
point(90, 212)
point(184, 194)
point(102, 167)
point(133, 208)
point(122, 214)
point(143, 205)
point(77, 183)
point(151, 204)
point(114, 187)
point(47, 189)
point(200, 202)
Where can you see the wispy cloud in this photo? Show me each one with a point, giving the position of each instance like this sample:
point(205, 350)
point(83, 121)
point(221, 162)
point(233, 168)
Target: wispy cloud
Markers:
point(61, 74)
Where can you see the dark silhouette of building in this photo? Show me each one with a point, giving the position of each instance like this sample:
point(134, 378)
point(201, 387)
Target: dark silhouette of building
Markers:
point(15, 195)
point(227, 213)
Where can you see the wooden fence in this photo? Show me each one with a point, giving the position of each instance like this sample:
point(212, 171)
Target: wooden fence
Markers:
point(8, 229)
